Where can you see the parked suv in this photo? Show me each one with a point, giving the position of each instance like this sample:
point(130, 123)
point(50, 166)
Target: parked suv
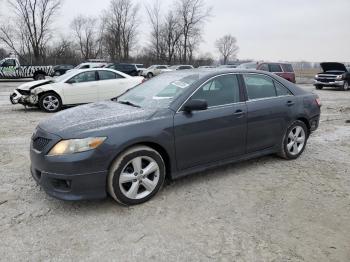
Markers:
point(283, 70)
point(333, 75)
point(130, 69)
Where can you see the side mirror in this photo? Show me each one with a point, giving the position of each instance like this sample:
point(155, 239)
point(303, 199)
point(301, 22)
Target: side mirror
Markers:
point(195, 105)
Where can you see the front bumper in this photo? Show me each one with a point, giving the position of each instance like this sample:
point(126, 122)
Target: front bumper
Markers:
point(78, 176)
point(329, 84)
point(17, 98)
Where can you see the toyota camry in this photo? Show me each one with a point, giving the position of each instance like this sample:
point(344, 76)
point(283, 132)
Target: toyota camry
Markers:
point(175, 124)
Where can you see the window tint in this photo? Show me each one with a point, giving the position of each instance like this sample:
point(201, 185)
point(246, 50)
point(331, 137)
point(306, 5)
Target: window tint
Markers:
point(219, 91)
point(184, 67)
point(83, 77)
point(275, 68)
point(85, 67)
point(107, 75)
point(259, 86)
point(9, 63)
point(264, 67)
point(288, 68)
point(161, 67)
point(281, 90)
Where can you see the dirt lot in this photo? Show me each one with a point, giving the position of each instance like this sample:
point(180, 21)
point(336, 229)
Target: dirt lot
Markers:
point(266, 209)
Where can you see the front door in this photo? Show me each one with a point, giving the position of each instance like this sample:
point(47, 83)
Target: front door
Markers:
point(219, 132)
point(81, 89)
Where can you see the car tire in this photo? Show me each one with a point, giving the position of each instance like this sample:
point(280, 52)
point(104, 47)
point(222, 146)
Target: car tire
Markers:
point(345, 86)
point(50, 102)
point(294, 141)
point(136, 176)
point(150, 75)
point(319, 87)
point(39, 76)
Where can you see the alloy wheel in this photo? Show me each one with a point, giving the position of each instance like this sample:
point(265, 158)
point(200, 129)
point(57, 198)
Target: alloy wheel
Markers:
point(51, 103)
point(139, 177)
point(296, 140)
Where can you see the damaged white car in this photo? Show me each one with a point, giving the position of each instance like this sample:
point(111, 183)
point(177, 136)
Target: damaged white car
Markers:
point(75, 87)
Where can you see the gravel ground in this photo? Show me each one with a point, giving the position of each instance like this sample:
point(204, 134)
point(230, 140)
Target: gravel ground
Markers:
point(265, 209)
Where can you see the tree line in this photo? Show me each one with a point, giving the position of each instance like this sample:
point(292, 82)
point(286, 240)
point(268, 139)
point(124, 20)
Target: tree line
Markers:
point(174, 37)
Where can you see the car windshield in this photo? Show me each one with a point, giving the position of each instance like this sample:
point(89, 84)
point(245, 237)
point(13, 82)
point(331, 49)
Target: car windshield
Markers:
point(65, 76)
point(160, 91)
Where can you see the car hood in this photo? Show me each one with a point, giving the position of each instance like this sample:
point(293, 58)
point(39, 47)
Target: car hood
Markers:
point(31, 85)
point(92, 117)
point(333, 66)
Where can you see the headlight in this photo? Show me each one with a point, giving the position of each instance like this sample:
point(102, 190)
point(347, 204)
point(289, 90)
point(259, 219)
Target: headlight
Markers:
point(72, 146)
point(316, 76)
point(340, 77)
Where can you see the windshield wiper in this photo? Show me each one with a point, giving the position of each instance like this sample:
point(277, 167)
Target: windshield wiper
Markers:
point(129, 103)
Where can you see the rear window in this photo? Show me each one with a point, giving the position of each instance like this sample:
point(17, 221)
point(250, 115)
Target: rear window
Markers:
point(288, 68)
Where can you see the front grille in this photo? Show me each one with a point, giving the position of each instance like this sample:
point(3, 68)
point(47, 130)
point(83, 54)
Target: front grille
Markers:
point(39, 143)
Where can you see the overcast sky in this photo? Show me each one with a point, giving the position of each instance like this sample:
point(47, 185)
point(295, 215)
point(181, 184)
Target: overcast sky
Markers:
point(313, 30)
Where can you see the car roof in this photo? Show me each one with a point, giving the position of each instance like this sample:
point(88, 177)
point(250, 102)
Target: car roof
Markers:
point(101, 69)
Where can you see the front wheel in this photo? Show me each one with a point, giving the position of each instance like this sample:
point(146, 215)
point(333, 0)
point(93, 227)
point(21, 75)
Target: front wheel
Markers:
point(150, 75)
point(136, 175)
point(318, 87)
point(50, 102)
point(346, 86)
point(294, 141)
point(39, 76)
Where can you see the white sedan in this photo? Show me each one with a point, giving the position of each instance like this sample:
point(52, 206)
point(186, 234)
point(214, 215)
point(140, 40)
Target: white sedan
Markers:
point(76, 87)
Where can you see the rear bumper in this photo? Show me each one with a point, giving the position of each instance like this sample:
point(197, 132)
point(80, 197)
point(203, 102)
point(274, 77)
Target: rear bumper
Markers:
point(314, 123)
point(329, 84)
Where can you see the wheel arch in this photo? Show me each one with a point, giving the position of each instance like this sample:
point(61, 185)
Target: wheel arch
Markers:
point(155, 146)
point(306, 122)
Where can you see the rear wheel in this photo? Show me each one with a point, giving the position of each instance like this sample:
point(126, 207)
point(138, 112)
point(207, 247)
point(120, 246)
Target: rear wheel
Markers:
point(294, 141)
point(136, 175)
point(39, 76)
point(318, 87)
point(346, 86)
point(50, 102)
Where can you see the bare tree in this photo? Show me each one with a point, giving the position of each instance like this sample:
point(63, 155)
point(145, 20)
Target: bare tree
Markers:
point(87, 34)
point(33, 27)
point(227, 47)
point(121, 25)
point(192, 15)
point(154, 17)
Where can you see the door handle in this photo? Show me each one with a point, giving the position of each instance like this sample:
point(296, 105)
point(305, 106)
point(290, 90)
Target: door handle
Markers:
point(290, 103)
point(239, 113)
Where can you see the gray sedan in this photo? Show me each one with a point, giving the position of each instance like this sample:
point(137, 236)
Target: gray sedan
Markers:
point(173, 125)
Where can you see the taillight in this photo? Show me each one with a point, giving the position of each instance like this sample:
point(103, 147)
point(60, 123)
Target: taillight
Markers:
point(318, 101)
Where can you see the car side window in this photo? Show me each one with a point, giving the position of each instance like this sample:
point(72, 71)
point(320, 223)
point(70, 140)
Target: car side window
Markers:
point(85, 67)
point(288, 68)
point(259, 86)
point(281, 90)
point(83, 77)
point(9, 63)
point(108, 75)
point(275, 68)
point(264, 67)
point(220, 91)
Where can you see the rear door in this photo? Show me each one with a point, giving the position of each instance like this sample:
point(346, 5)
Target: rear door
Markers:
point(111, 84)
point(217, 133)
point(270, 110)
point(81, 89)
